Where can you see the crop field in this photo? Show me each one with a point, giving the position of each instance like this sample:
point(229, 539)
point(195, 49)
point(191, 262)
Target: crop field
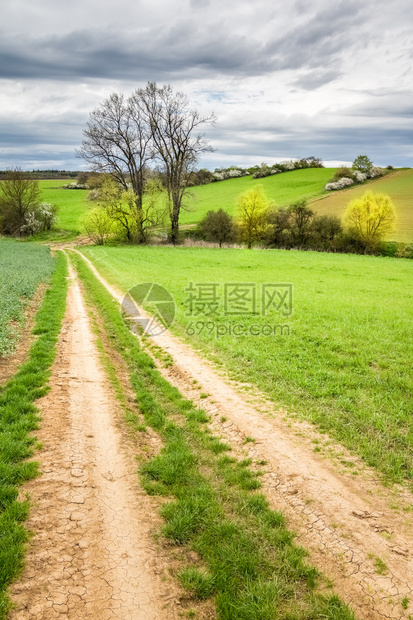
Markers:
point(398, 186)
point(22, 266)
point(342, 358)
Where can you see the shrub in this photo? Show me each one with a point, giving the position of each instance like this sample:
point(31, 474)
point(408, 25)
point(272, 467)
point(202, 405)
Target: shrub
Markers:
point(374, 172)
point(341, 184)
point(279, 229)
point(343, 172)
point(325, 229)
point(370, 218)
point(217, 226)
point(98, 226)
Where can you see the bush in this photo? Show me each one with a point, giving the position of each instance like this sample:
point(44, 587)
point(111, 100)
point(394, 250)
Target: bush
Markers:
point(341, 184)
point(217, 226)
point(279, 229)
point(325, 230)
point(343, 172)
point(98, 226)
point(375, 172)
point(370, 218)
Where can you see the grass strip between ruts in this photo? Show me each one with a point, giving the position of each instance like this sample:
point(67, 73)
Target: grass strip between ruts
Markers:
point(248, 560)
point(18, 418)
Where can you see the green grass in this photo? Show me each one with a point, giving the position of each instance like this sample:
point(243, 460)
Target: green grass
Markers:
point(283, 188)
point(398, 186)
point(249, 562)
point(18, 419)
point(72, 204)
point(347, 363)
point(23, 267)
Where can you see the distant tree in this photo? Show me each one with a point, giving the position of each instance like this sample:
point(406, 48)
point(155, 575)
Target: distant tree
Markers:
point(279, 228)
point(19, 197)
point(253, 209)
point(301, 218)
point(325, 230)
point(177, 143)
point(370, 218)
point(218, 226)
point(363, 164)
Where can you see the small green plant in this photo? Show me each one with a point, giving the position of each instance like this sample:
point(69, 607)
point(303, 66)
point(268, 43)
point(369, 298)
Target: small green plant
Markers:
point(380, 566)
point(405, 602)
point(249, 439)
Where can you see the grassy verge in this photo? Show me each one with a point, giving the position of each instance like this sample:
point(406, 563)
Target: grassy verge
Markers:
point(247, 558)
point(18, 417)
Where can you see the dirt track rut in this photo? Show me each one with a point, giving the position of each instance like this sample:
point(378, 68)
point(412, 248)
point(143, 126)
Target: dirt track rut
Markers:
point(93, 554)
point(347, 522)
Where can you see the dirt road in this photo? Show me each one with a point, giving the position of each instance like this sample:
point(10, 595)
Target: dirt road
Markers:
point(93, 554)
point(355, 529)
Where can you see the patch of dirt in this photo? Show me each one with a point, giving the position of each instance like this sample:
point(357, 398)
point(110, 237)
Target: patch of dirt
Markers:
point(10, 363)
point(93, 553)
point(349, 523)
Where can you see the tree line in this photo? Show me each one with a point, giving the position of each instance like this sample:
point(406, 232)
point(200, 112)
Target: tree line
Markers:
point(366, 222)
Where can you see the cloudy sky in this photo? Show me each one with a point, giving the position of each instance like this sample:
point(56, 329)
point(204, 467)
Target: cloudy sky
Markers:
point(285, 79)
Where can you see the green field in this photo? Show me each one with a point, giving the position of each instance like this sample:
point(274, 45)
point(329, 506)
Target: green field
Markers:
point(22, 266)
point(346, 364)
point(398, 186)
point(283, 189)
point(71, 204)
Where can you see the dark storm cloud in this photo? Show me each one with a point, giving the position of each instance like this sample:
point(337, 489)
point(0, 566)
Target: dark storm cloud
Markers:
point(320, 40)
point(93, 54)
point(182, 48)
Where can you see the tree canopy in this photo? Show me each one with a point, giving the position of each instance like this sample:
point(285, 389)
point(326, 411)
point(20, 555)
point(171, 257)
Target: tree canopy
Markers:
point(370, 218)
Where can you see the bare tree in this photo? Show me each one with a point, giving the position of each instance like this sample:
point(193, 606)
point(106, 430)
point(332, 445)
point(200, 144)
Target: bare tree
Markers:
point(117, 141)
point(177, 144)
point(19, 196)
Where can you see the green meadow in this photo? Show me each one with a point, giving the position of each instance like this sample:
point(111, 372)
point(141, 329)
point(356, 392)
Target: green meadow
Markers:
point(343, 359)
point(283, 189)
point(72, 204)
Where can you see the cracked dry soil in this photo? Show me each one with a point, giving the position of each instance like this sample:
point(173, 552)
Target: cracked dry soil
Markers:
point(346, 522)
point(92, 554)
